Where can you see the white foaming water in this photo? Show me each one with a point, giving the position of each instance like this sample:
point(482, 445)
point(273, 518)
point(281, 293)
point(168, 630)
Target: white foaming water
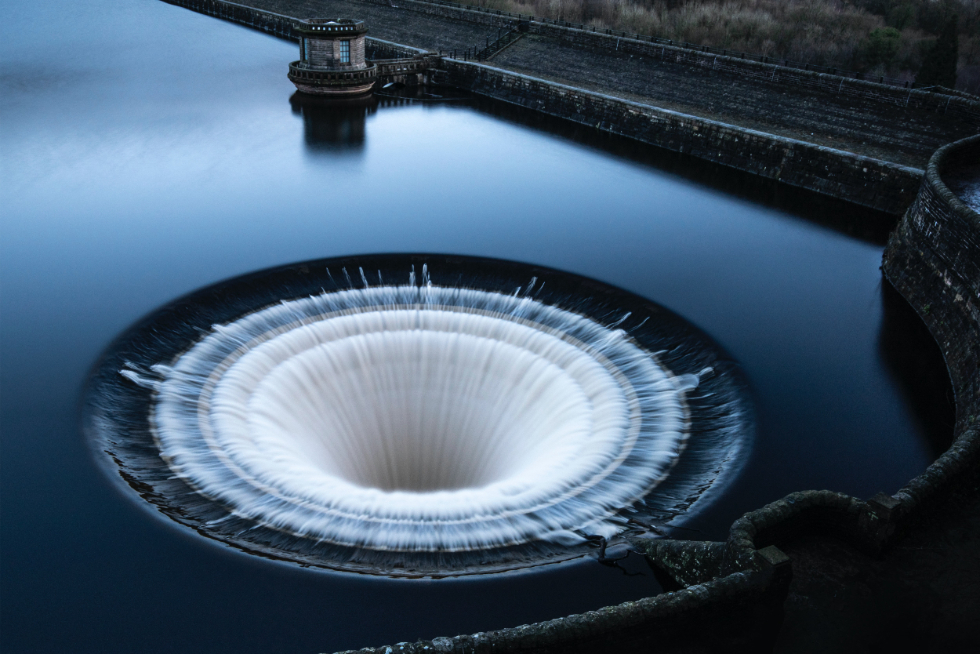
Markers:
point(421, 419)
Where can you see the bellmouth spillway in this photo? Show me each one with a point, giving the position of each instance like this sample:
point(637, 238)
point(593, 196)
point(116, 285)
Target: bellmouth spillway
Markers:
point(450, 423)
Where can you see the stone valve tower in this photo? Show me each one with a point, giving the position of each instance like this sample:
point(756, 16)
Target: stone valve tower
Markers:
point(331, 58)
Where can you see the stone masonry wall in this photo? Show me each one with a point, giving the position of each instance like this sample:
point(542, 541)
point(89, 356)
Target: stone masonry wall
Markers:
point(320, 52)
point(865, 127)
point(326, 52)
point(943, 221)
point(861, 180)
point(378, 49)
point(933, 259)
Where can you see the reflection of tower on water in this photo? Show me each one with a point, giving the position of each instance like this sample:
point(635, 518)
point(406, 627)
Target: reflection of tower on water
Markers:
point(333, 124)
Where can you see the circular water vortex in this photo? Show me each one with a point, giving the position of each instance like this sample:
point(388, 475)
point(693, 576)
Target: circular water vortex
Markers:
point(479, 417)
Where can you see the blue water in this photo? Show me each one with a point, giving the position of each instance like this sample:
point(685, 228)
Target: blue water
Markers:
point(147, 151)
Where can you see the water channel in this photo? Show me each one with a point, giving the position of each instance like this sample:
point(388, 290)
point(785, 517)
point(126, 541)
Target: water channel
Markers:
point(148, 151)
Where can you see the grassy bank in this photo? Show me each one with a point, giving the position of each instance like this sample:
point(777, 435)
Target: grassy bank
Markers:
point(880, 37)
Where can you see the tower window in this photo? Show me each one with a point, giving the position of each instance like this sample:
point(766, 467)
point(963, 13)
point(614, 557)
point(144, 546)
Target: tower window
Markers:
point(345, 52)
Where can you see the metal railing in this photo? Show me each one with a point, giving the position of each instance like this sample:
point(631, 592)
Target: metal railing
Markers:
point(502, 41)
point(490, 48)
point(387, 67)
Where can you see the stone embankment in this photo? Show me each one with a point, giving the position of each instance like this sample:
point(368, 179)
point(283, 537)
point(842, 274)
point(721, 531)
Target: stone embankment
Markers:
point(851, 139)
point(933, 259)
point(897, 125)
point(843, 114)
point(862, 180)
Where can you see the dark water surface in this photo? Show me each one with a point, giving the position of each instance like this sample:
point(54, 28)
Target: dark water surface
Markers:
point(148, 151)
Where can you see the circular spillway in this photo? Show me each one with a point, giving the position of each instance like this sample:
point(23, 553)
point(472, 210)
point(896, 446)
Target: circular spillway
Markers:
point(421, 427)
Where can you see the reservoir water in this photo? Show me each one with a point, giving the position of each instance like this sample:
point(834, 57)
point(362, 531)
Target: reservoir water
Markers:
point(148, 151)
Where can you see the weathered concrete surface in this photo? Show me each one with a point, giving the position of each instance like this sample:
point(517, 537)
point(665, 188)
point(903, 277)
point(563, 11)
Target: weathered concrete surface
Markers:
point(862, 126)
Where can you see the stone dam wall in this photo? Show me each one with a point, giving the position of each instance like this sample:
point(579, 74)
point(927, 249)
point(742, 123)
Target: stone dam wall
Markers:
point(933, 260)
point(862, 180)
point(779, 76)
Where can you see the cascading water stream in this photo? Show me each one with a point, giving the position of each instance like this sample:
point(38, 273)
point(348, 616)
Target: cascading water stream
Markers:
point(425, 428)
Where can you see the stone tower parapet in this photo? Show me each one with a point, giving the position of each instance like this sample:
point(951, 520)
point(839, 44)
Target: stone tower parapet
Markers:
point(331, 58)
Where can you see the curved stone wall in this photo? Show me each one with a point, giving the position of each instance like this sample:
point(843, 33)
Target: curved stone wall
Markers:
point(933, 260)
point(942, 221)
